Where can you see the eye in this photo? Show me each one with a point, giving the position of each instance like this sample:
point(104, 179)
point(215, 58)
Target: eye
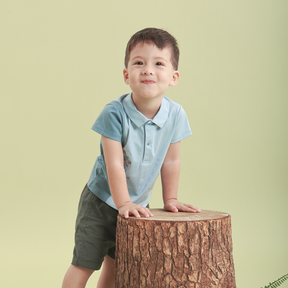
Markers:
point(138, 63)
point(159, 64)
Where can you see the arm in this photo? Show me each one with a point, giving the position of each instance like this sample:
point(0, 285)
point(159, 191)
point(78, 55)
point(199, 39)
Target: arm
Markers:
point(170, 173)
point(113, 155)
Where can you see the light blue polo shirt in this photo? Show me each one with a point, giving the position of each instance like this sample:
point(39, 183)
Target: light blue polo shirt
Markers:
point(144, 141)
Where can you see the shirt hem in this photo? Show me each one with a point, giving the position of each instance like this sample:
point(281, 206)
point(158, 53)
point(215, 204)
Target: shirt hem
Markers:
point(108, 135)
point(181, 138)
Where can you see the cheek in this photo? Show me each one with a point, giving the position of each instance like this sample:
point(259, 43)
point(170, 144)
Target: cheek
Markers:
point(131, 78)
point(165, 77)
point(131, 74)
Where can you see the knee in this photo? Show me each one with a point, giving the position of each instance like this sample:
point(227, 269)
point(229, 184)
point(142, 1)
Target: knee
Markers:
point(82, 272)
point(106, 278)
point(76, 276)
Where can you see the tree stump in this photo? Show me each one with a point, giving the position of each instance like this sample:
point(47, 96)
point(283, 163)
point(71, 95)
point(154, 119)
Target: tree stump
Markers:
point(175, 250)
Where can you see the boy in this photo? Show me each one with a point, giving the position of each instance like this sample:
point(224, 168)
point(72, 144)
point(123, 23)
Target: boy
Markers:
point(140, 137)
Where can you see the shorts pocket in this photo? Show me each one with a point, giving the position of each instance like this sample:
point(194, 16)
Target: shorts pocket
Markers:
point(100, 211)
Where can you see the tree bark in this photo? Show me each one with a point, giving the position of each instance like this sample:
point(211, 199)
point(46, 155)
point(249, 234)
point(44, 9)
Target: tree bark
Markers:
point(181, 250)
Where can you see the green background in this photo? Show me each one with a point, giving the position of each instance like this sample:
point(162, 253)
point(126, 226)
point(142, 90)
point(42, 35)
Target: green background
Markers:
point(61, 62)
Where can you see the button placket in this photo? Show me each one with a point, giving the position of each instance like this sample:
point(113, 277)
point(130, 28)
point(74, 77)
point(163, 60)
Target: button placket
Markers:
point(148, 141)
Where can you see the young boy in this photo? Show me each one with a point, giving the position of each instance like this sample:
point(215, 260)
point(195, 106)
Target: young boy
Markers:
point(140, 138)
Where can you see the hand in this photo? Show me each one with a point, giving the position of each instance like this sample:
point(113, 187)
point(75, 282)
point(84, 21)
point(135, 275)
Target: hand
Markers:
point(130, 208)
point(174, 205)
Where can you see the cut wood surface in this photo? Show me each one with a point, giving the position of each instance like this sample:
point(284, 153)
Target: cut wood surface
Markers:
point(175, 250)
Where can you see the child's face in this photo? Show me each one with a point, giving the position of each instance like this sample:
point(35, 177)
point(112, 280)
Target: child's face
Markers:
point(149, 72)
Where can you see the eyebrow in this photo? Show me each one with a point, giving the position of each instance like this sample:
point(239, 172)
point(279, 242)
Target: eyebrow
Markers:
point(156, 58)
point(161, 58)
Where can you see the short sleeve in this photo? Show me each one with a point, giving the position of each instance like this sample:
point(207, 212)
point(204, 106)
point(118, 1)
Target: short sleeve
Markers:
point(182, 127)
point(109, 122)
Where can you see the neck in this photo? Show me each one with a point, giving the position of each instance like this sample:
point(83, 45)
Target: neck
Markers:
point(148, 108)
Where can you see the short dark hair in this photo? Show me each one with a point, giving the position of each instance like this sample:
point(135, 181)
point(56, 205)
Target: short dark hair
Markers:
point(161, 38)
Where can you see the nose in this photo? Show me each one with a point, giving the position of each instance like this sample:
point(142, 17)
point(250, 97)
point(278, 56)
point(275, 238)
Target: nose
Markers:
point(148, 70)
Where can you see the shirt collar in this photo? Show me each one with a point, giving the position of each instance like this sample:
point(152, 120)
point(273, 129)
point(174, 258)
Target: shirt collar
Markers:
point(139, 119)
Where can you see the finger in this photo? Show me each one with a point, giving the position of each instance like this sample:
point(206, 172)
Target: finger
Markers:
point(171, 208)
point(189, 208)
point(149, 212)
point(126, 214)
point(195, 209)
point(146, 212)
point(143, 211)
point(135, 213)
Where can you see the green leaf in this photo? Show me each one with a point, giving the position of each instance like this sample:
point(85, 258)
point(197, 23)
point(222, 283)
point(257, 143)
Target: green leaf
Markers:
point(278, 282)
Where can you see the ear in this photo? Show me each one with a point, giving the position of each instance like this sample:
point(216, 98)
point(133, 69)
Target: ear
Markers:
point(126, 76)
point(175, 78)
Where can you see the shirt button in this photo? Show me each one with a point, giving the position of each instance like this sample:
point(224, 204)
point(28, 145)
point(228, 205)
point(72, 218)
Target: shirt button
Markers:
point(148, 144)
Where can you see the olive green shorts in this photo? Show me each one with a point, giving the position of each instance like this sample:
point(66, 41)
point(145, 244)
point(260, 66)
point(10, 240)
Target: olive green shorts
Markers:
point(95, 231)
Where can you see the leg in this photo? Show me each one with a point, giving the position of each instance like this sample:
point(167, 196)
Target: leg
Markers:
point(76, 277)
point(106, 279)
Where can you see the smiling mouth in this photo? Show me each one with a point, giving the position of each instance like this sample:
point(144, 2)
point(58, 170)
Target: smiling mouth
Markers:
point(148, 82)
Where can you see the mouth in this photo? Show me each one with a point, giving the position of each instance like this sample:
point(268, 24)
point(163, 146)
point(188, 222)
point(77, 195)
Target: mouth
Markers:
point(148, 82)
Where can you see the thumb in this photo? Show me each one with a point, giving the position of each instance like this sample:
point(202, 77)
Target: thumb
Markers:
point(171, 208)
point(174, 209)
